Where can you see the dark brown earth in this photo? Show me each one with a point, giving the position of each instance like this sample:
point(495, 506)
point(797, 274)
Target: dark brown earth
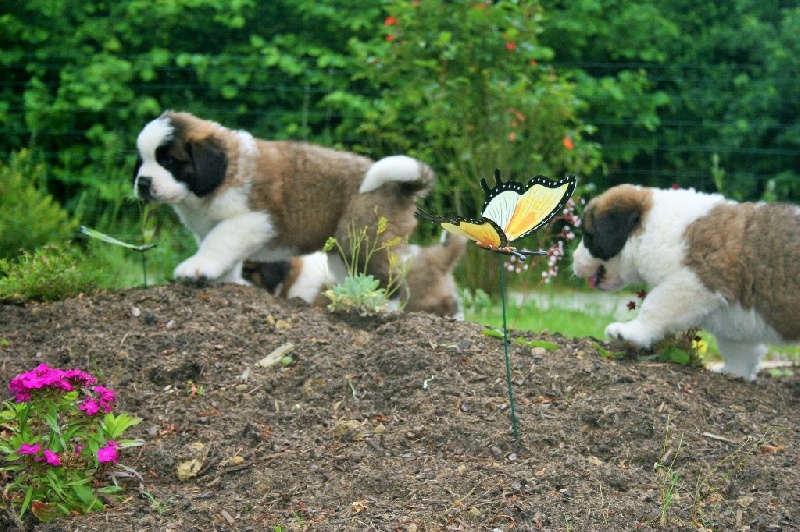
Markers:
point(401, 422)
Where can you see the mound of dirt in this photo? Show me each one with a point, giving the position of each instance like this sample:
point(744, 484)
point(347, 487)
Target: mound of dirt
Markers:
point(402, 422)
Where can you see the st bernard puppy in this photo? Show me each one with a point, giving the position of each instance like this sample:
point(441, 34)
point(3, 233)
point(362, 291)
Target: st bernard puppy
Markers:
point(429, 284)
point(244, 197)
point(730, 268)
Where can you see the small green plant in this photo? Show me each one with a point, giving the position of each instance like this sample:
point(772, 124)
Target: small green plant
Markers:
point(50, 273)
point(710, 485)
point(668, 475)
point(62, 442)
point(159, 506)
point(476, 302)
point(361, 292)
point(194, 389)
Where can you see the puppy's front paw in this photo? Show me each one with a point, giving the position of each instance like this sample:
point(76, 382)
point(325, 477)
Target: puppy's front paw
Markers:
point(197, 269)
point(631, 331)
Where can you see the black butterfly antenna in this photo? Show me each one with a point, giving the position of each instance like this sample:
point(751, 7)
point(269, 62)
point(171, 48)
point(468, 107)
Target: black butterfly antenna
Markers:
point(497, 179)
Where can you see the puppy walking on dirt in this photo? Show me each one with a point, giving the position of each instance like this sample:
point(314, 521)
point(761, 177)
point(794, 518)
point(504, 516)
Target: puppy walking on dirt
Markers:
point(244, 197)
point(732, 269)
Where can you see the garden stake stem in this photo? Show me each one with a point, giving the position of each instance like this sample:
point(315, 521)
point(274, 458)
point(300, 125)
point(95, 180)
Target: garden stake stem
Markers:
point(505, 346)
point(144, 268)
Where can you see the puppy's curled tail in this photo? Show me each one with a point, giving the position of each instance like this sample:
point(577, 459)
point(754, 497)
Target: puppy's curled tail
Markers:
point(414, 176)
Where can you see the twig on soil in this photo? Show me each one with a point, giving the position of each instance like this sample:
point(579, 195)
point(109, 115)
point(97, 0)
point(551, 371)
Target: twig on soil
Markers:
point(718, 438)
point(376, 447)
point(235, 468)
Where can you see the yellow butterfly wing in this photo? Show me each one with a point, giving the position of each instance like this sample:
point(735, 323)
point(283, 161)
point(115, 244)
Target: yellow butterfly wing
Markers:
point(541, 201)
point(482, 231)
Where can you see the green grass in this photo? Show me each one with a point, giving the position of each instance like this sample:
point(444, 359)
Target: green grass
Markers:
point(548, 312)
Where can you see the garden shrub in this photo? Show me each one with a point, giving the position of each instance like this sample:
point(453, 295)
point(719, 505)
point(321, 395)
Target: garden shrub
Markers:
point(29, 216)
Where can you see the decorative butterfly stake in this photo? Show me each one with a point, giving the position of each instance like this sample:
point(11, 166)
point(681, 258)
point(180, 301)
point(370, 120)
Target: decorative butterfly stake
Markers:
point(511, 211)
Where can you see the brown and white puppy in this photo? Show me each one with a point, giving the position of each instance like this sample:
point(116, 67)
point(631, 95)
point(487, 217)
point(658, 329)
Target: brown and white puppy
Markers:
point(429, 284)
point(244, 197)
point(730, 268)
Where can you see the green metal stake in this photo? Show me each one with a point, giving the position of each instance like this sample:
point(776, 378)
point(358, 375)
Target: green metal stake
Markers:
point(505, 345)
point(144, 267)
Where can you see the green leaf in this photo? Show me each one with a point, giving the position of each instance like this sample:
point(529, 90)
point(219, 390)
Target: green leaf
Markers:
point(114, 426)
point(494, 333)
point(111, 240)
point(550, 346)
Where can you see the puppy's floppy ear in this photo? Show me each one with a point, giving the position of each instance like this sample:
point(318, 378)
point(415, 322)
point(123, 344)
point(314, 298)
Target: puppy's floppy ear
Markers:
point(210, 163)
point(609, 231)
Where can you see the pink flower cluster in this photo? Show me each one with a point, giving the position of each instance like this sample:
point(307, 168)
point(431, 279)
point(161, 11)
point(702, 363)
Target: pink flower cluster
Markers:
point(43, 378)
point(109, 452)
point(50, 457)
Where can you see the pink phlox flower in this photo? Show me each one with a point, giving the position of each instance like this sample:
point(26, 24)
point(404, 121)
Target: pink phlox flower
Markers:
point(90, 406)
point(105, 395)
point(27, 448)
point(52, 458)
point(109, 452)
point(79, 378)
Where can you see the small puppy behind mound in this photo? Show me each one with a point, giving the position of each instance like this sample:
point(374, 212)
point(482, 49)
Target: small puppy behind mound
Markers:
point(730, 268)
point(428, 287)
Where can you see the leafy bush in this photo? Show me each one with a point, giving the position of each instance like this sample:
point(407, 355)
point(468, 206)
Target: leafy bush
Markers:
point(472, 80)
point(29, 216)
point(50, 273)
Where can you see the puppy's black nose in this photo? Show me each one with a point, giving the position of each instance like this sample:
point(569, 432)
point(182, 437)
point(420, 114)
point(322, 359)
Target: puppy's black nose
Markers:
point(143, 185)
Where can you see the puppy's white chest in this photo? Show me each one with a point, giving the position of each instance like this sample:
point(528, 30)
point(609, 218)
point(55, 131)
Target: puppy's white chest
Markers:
point(201, 216)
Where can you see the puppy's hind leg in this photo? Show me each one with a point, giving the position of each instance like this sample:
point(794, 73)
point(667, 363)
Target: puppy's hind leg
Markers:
point(676, 304)
point(741, 358)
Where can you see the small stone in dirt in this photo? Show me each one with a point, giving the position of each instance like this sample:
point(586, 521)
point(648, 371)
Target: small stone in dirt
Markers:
point(189, 468)
point(149, 318)
point(135, 312)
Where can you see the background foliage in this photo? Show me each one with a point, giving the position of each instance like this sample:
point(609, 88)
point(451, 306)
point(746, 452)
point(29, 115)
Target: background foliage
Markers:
point(654, 92)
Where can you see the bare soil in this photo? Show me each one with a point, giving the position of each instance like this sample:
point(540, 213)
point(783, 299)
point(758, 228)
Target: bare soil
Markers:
point(402, 422)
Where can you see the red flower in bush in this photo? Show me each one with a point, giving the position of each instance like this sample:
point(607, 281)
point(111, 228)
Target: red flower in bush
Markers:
point(568, 144)
point(511, 46)
point(390, 21)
